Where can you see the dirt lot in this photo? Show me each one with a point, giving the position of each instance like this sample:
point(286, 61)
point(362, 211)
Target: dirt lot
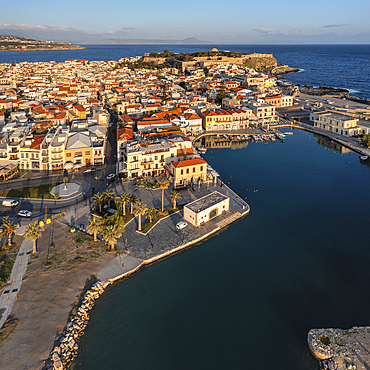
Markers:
point(48, 294)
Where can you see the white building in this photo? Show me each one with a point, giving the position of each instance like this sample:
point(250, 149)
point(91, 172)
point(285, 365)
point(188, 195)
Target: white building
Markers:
point(338, 123)
point(206, 208)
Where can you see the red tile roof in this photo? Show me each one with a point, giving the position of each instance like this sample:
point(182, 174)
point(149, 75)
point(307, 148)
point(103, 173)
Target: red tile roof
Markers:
point(189, 162)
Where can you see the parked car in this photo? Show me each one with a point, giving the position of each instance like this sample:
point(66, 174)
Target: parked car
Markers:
point(10, 203)
point(90, 170)
point(181, 225)
point(111, 176)
point(24, 213)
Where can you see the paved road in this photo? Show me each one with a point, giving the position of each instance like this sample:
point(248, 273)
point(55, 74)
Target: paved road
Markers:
point(9, 295)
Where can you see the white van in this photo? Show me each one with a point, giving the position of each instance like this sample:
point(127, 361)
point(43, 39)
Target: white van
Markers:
point(10, 203)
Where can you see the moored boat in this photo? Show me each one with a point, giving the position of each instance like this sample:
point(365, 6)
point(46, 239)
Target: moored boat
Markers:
point(201, 149)
point(364, 157)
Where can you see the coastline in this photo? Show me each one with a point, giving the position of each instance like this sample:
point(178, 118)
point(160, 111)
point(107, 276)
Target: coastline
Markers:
point(340, 349)
point(65, 346)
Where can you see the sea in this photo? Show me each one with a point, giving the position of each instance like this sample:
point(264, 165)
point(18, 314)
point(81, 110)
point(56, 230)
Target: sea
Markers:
point(246, 297)
point(342, 66)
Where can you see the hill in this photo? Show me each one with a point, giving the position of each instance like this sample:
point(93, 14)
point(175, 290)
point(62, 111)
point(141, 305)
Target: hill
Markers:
point(18, 43)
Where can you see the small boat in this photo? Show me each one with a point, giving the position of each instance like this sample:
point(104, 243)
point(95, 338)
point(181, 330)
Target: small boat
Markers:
point(238, 137)
point(364, 157)
point(201, 149)
point(288, 133)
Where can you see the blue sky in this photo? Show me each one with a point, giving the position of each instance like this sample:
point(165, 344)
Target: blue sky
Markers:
point(244, 22)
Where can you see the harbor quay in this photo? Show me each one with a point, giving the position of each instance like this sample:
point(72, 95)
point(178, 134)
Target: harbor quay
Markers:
point(136, 249)
point(164, 237)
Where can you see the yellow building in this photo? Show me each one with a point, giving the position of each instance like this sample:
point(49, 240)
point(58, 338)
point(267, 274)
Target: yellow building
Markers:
point(78, 151)
point(186, 172)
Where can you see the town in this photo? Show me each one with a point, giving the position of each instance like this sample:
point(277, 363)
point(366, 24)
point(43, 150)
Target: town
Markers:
point(121, 144)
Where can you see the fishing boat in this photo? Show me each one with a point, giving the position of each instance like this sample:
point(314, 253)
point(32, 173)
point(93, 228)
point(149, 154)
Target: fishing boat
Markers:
point(201, 149)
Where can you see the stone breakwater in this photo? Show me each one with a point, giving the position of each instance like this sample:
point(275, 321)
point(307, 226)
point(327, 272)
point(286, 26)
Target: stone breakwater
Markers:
point(66, 345)
point(341, 349)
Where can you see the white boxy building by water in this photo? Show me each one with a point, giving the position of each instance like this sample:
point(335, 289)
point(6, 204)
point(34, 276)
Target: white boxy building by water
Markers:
point(206, 208)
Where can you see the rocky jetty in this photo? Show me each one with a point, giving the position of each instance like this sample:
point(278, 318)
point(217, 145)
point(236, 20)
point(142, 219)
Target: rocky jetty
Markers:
point(322, 90)
point(66, 345)
point(341, 349)
point(356, 99)
point(283, 70)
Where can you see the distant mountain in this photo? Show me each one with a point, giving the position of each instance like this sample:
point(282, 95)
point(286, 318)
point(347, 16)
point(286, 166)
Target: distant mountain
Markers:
point(190, 40)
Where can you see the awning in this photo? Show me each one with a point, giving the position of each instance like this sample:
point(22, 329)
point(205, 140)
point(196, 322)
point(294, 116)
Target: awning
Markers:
point(68, 165)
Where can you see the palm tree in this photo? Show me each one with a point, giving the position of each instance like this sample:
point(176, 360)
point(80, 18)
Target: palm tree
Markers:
point(140, 209)
point(175, 196)
point(163, 184)
point(94, 226)
point(133, 199)
point(9, 228)
point(108, 196)
point(98, 199)
point(122, 200)
point(33, 232)
point(111, 233)
point(150, 212)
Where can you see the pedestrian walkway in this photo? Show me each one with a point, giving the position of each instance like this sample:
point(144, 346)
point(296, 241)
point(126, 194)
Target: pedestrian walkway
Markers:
point(10, 293)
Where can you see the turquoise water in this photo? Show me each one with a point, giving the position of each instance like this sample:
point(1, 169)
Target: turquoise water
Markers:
point(246, 298)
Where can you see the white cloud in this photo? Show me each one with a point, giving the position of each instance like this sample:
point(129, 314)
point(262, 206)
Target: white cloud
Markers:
point(335, 25)
point(60, 33)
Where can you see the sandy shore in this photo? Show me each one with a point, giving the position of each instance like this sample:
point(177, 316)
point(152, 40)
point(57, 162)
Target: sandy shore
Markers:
point(47, 296)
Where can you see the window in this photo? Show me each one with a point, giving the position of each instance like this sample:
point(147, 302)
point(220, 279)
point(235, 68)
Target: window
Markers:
point(187, 170)
point(78, 154)
point(201, 168)
point(182, 172)
point(87, 153)
point(193, 169)
point(68, 155)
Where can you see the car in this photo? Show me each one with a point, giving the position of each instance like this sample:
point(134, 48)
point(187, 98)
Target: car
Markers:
point(181, 225)
point(111, 176)
point(10, 203)
point(24, 213)
point(90, 170)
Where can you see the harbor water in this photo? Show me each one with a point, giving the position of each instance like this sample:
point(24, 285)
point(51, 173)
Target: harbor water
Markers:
point(246, 297)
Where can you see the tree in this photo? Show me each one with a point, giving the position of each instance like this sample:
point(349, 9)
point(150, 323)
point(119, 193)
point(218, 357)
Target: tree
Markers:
point(33, 232)
point(98, 199)
point(108, 196)
point(111, 233)
point(94, 226)
point(163, 184)
point(150, 212)
point(133, 200)
point(122, 200)
point(366, 140)
point(221, 93)
point(174, 196)
point(9, 228)
point(140, 209)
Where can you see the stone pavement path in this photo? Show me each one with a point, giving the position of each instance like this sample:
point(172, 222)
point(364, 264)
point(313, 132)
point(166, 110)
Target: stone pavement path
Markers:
point(10, 293)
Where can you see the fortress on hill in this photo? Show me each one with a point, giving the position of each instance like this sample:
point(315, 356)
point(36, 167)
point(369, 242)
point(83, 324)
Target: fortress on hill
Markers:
point(205, 59)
